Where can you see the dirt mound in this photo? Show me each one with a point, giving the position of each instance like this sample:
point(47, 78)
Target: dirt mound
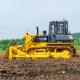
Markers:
point(40, 69)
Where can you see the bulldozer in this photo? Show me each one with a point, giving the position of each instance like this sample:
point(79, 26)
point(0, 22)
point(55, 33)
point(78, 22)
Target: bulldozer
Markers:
point(57, 43)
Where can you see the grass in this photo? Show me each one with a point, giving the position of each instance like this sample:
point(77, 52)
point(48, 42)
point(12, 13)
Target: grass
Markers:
point(5, 44)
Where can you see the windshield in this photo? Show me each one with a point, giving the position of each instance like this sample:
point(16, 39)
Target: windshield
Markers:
point(60, 28)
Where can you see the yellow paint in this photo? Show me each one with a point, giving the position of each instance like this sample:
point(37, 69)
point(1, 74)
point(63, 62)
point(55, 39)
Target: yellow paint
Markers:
point(37, 50)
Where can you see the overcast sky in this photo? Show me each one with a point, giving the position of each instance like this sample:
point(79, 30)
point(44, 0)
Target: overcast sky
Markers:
point(20, 16)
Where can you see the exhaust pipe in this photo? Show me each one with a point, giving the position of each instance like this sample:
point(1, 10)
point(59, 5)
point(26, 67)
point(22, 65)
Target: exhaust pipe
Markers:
point(37, 30)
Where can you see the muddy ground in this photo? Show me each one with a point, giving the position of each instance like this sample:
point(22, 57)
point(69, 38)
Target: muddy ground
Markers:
point(40, 69)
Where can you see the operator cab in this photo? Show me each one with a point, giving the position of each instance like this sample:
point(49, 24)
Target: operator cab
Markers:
point(58, 31)
point(58, 27)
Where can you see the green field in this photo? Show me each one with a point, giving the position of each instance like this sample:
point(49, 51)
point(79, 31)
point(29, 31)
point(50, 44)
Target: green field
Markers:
point(77, 43)
point(4, 44)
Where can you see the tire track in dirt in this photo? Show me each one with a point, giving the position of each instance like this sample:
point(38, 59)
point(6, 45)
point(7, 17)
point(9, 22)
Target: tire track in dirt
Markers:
point(40, 69)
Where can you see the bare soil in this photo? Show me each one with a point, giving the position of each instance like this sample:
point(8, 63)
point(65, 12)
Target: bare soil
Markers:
point(40, 69)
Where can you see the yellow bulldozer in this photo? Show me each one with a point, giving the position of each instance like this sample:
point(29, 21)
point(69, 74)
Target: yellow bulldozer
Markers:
point(57, 43)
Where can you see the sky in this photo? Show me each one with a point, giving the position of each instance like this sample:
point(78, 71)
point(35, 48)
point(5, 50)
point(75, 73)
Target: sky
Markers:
point(20, 16)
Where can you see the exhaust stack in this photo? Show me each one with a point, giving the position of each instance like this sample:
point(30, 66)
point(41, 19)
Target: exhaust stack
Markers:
point(37, 30)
